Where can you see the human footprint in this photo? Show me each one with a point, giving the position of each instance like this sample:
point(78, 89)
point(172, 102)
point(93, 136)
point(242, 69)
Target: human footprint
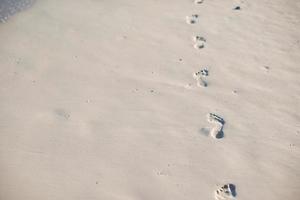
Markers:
point(200, 77)
point(226, 192)
point(199, 42)
point(192, 19)
point(217, 130)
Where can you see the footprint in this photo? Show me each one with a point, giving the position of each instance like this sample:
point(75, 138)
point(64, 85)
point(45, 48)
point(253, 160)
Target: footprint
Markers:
point(217, 130)
point(200, 81)
point(198, 1)
point(226, 192)
point(199, 45)
point(199, 77)
point(199, 42)
point(10, 7)
point(192, 19)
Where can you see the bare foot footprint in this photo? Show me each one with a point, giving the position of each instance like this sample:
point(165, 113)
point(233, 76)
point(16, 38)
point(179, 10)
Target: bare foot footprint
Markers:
point(226, 192)
point(192, 19)
point(199, 77)
point(217, 130)
point(199, 42)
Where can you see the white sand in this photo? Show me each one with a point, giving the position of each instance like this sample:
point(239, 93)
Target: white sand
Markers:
point(96, 104)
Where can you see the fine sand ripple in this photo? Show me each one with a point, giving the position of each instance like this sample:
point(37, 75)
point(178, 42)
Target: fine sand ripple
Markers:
point(10, 7)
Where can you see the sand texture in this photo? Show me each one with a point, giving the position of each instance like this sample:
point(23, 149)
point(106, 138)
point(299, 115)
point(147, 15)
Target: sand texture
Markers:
point(150, 100)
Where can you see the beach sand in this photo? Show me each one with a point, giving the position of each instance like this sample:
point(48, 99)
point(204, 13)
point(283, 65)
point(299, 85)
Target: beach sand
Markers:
point(103, 100)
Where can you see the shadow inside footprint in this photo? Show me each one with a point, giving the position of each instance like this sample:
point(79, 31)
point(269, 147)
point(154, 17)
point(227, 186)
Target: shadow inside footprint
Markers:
point(215, 118)
point(198, 1)
point(220, 135)
point(237, 8)
point(232, 189)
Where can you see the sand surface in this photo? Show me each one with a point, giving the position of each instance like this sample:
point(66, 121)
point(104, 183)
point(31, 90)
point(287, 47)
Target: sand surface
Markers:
point(98, 100)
